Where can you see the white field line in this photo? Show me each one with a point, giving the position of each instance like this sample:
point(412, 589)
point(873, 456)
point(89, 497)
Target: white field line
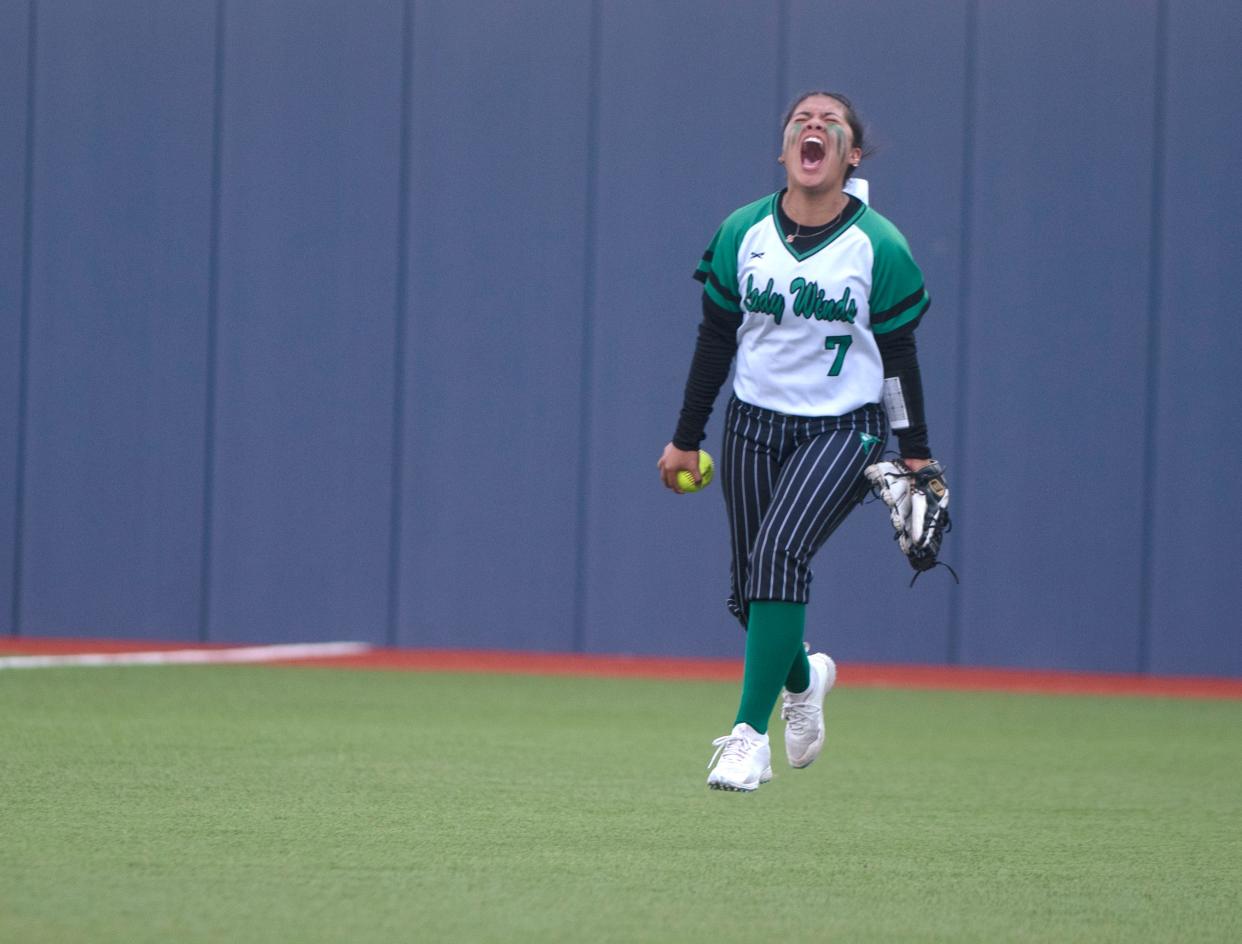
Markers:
point(307, 650)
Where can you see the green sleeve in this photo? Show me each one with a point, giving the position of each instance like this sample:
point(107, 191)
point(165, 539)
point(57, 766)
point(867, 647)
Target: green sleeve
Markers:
point(898, 295)
point(717, 270)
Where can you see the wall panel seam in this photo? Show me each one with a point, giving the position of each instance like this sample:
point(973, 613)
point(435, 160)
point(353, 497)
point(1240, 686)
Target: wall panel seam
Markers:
point(953, 648)
point(586, 402)
point(782, 79)
point(396, 508)
point(213, 318)
point(1154, 287)
point(23, 330)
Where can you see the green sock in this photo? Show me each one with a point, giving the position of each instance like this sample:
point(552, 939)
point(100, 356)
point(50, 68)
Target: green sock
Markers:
point(799, 677)
point(773, 639)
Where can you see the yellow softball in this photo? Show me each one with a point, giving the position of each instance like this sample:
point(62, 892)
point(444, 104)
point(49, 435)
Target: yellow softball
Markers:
point(707, 469)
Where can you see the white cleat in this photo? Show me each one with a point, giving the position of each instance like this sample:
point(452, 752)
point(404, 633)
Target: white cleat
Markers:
point(745, 760)
point(804, 713)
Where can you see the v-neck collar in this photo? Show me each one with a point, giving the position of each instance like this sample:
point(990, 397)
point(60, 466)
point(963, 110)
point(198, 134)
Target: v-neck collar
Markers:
point(853, 210)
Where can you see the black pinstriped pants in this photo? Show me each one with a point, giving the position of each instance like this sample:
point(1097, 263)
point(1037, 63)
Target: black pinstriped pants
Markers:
point(788, 483)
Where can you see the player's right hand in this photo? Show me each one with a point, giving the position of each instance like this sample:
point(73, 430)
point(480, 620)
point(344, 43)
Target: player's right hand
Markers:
point(674, 460)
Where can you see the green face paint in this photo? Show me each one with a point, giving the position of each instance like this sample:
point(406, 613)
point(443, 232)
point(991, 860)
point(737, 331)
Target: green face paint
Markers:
point(793, 132)
point(837, 139)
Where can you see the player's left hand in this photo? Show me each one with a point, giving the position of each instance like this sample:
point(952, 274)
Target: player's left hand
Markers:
point(918, 500)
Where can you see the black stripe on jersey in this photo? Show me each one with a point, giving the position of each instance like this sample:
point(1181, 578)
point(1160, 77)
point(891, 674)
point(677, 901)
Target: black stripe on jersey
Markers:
point(705, 265)
point(723, 290)
point(904, 305)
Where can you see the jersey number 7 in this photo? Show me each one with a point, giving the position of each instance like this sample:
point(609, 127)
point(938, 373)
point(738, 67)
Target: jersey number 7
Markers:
point(839, 343)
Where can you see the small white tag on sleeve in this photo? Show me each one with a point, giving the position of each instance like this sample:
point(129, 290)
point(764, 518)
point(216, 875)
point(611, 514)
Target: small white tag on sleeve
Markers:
point(895, 404)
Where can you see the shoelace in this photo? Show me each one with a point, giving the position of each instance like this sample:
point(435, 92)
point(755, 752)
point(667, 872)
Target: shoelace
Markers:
point(731, 747)
point(919, 573)
point(800, 717)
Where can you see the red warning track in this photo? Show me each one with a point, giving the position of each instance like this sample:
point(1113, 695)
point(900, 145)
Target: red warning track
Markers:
point(854, 675)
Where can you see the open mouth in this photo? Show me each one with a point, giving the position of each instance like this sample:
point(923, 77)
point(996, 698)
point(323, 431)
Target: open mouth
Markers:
point(813, 151)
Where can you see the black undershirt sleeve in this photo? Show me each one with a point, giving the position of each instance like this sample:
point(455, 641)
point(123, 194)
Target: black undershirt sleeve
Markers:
point(709, 369)
point(901, 360)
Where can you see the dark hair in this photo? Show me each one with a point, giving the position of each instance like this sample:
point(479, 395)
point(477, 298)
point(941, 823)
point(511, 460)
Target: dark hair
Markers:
point(851, 118)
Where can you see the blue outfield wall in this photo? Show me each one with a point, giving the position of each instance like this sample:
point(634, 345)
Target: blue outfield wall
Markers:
point(369, 320)
point(1056, 344)
point(116, 365)
point(15, 104)
point(1192, 578)
point(301, 463)
point(493, 352)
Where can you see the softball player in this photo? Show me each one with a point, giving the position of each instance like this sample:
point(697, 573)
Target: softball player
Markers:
point(817, 297)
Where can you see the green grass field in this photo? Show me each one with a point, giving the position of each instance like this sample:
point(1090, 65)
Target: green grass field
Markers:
point(307, 805)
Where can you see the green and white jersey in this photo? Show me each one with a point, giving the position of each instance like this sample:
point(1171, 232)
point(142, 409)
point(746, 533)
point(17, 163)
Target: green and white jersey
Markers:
point(806, 346)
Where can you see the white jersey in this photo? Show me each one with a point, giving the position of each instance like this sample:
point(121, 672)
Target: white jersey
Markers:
point(806, 346)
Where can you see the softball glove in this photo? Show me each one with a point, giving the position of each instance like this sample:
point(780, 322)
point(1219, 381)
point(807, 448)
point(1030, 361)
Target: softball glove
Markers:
point(918, 504)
